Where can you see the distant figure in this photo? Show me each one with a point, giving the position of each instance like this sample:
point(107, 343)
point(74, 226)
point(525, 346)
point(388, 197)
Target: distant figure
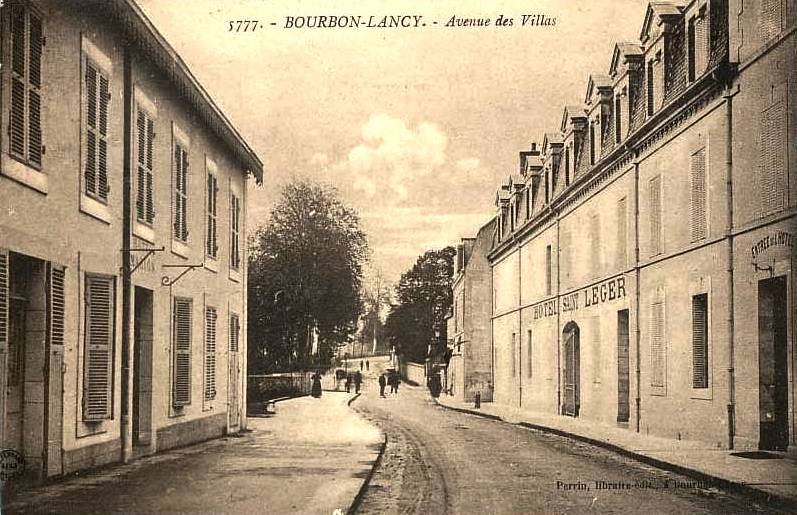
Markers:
point(358, 379)
point(397, 381)
point(393, 380)
point(361, 364)
point(382, 383)
point(435, 387)
point(315, 391)
point(367, 365)
point(348, 383)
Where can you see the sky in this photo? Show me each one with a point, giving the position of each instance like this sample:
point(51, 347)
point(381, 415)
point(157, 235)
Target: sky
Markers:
point(415, 126)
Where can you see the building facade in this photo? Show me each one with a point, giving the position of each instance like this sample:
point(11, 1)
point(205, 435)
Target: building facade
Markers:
point(122, 249)
point(642, 269)
point(469, 370)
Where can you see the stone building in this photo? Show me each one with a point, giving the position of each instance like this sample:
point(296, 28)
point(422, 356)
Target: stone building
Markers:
point(642, 273)
point(122, 249)
point(469, 368)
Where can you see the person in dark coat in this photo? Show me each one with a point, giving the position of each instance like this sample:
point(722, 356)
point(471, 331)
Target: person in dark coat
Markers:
point(382, 383)
point(367, 365)
point(358, 379)
point(348, 383)
point(392, 382)
point(315, 391)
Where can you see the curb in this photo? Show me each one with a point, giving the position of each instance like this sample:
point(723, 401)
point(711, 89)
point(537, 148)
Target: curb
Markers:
point(771, 499)
point(358, 499)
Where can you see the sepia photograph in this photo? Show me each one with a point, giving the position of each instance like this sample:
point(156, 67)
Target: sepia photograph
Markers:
point(366, 257)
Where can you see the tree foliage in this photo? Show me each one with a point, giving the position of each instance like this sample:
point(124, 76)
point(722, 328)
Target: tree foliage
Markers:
point(305, 272)
point(424, 296)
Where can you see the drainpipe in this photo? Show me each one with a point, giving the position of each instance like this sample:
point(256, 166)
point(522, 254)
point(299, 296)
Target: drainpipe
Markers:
point(637, 331)
point(124, 426)
point(729, 94)
point(520, 326)
point(558, 324)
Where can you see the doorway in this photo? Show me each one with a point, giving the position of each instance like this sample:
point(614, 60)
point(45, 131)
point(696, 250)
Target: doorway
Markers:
point(772, 365)
point(572, 373)
point(142, 366)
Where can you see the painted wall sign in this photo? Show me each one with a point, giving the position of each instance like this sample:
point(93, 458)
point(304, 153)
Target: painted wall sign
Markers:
point(776, 239)
point(606, 291)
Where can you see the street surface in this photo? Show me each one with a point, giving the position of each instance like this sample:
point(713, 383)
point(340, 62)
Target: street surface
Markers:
point(311, 457)
point(440, 461)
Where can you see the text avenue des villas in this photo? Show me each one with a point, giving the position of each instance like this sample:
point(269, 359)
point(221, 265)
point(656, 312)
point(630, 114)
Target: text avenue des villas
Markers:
point(606, 291)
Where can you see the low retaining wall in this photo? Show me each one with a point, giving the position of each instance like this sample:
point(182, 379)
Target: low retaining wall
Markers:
point(413, 372)
point(260, 388)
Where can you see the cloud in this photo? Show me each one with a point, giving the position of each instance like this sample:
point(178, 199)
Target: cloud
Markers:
point(469, 164)
point(392, 156)
point(319, 159)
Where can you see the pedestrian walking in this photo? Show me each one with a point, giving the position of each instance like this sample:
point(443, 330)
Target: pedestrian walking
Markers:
point(348, 383)
point(392, 381)
point(382, 383)
point(367, 365)
point(315, 391)
point(358, 379)
point(361, 364)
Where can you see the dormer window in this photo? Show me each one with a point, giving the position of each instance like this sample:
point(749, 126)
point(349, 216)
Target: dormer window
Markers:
point(697, 44)
point(618, 130)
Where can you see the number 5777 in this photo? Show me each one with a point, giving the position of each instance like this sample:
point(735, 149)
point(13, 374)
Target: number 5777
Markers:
point(243, 25)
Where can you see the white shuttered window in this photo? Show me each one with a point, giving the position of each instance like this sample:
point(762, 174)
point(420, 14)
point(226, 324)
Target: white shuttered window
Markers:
point(235, 231)
point(98, 355)
point(654, 216)
point(658, 344)
point(211, 234)
point(180, 204)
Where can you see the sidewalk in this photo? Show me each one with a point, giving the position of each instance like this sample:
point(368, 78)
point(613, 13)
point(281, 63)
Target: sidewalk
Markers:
point(312, 456)
point(773, 479)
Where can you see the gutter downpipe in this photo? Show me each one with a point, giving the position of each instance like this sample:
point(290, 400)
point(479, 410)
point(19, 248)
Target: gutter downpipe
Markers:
point(637, 274)
point(124, 426)
point(558, 323)
point(728, 95)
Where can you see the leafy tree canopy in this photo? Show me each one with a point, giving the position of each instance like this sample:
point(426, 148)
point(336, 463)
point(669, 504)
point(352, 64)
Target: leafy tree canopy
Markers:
point(305, 275)
point(424, 296)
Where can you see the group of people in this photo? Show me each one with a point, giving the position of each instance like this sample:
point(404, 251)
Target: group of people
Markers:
point(356, 378)
point(388, 379)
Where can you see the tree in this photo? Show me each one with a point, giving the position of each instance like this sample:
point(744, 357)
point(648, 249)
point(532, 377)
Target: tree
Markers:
point(305, 275)
point(424, 296)
point(376, 297)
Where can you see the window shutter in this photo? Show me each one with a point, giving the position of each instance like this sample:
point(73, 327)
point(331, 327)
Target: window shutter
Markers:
point(150, 201)
point(57, 305)
point(178, 163)
point(235, 330)
point(654, 213)
point(651, 83)
point(4, 293)
point(698, 221)
point(141, 183)
point(99, 345)
point(701, 45)
point(621, 250)
point(770, 18)
point(548, 270)
point(102, 154)
point(181, 394)
point(35, 36)
point(772, 178)
point(595, 245)
point(657, 344)
point(210, 353)
point(91, 122)
point(700, 341)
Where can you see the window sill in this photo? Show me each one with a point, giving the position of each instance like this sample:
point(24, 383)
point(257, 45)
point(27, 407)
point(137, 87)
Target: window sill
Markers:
point(658, 391)
point(211, 264)
point(24, 174)
point(705, 394)
point(144, 232)
point(235, 275)
point(180, 248)
point(95, 209)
